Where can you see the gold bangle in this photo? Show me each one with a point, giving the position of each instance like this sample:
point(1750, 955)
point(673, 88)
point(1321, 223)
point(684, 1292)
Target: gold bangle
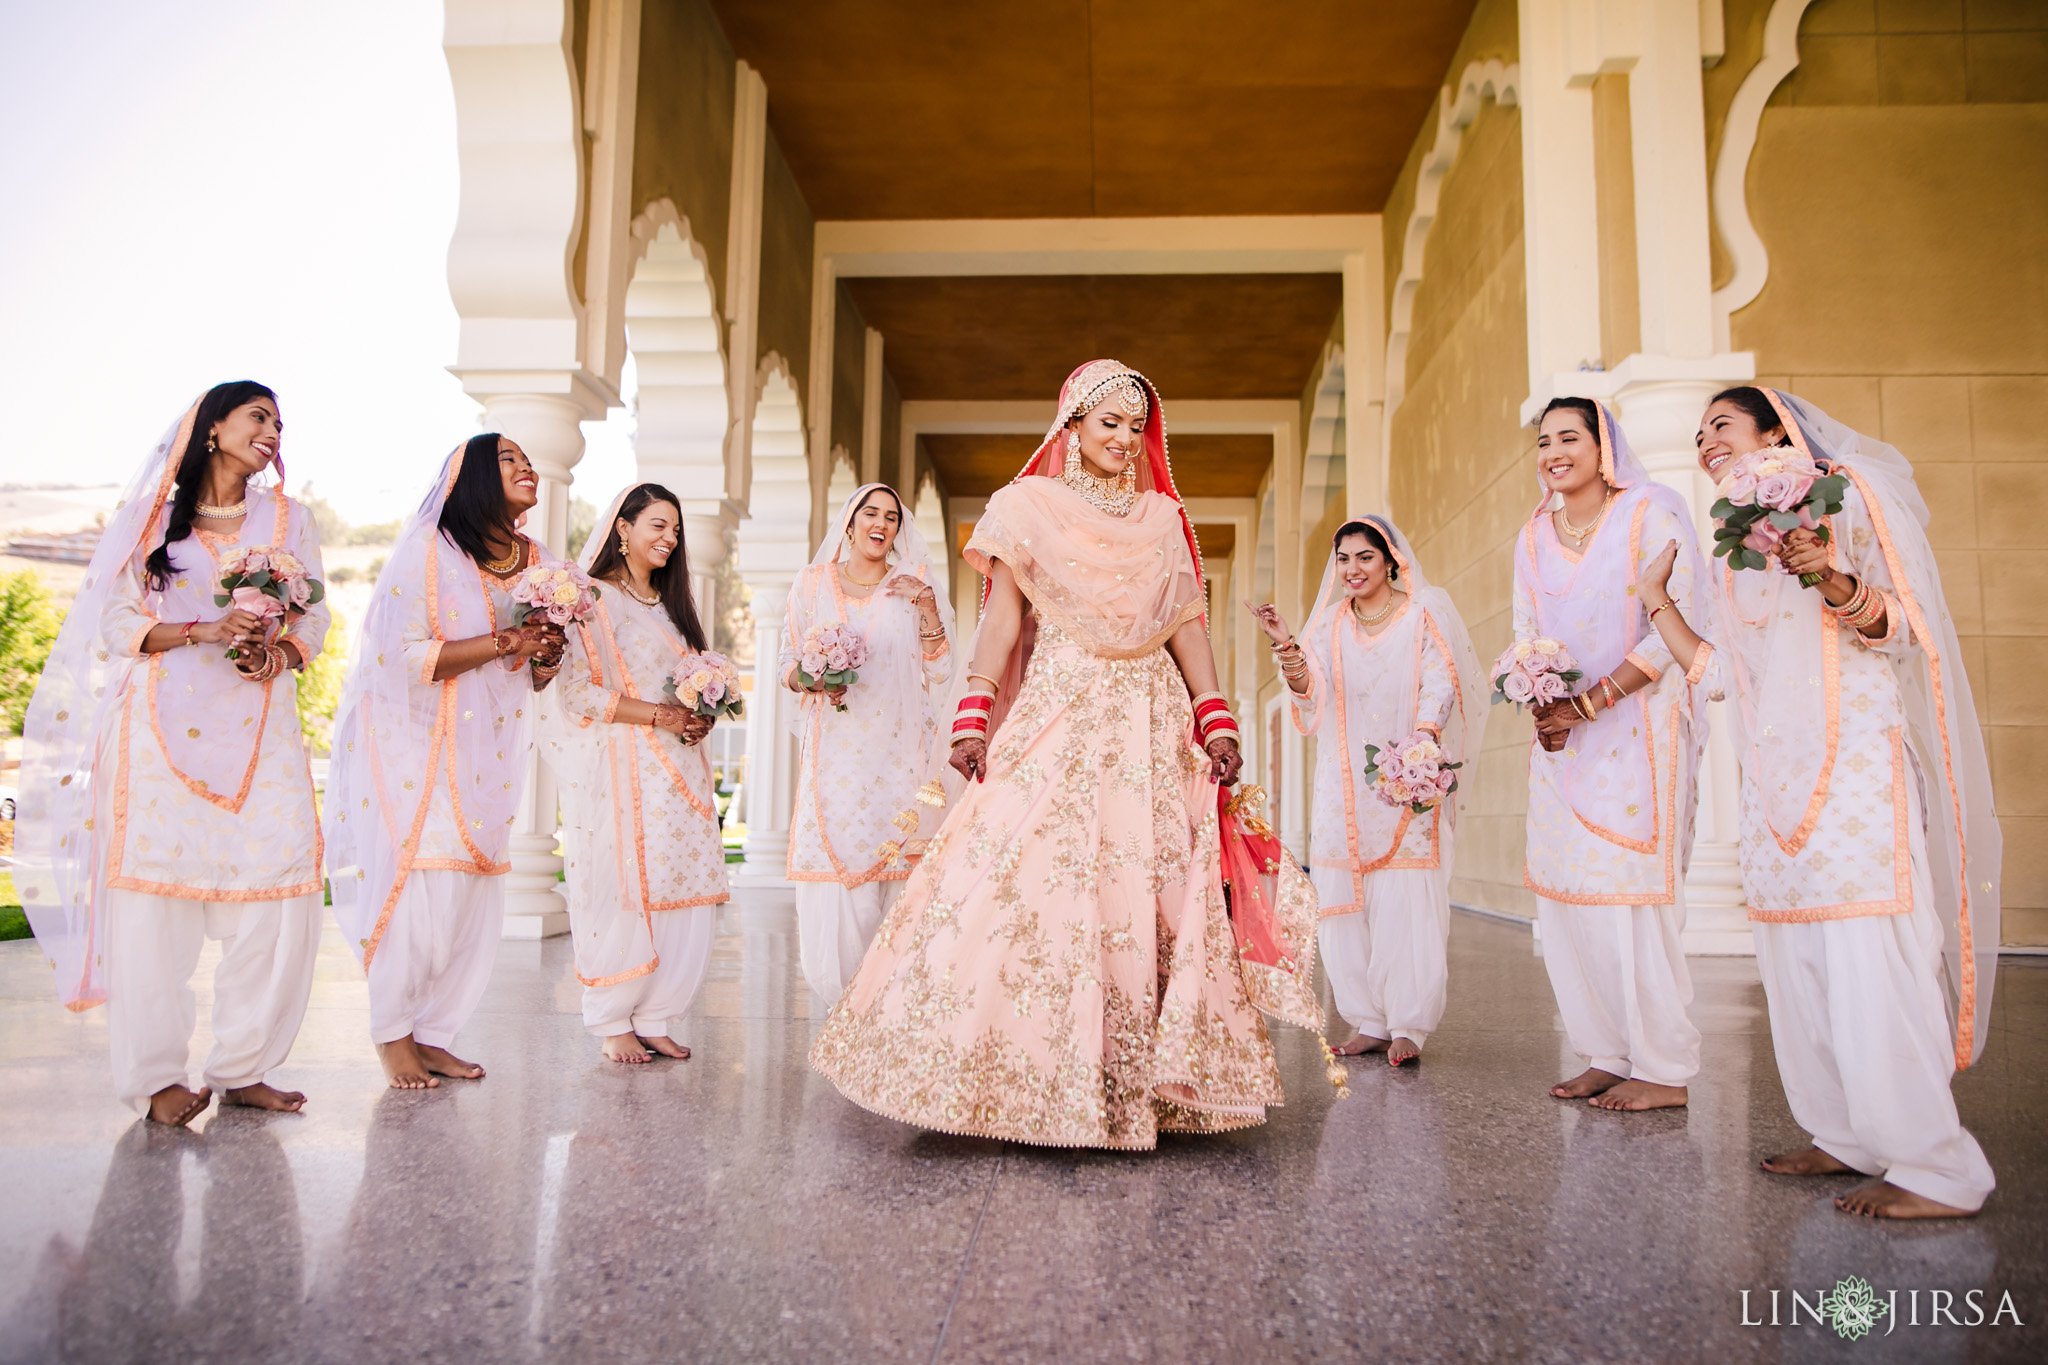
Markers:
point(987, 679)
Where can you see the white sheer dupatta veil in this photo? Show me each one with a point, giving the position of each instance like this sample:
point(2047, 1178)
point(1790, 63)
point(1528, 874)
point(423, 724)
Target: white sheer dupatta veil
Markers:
point(1465, 729)
point(398, 735)
point(57, 854)
point(1965, 848)
point(892, 685)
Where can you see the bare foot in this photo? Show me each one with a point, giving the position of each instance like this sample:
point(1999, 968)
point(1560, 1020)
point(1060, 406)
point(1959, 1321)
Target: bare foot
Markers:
point(667, 1046)
point(261, 1096)
point(1403, 1051)
point(403, 1065)
point(1886, 1200)
point(442, 1062)
point(1588, 1083)
point(1634, 1096)
point(624, 1047)
point(175, 1106)
point(1805, 1161)
point(1360, 1045)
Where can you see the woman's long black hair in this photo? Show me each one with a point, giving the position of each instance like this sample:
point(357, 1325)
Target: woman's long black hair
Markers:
point(220, 400)
point(1586, 408)
point(476, 512)
point(1373, 538)
point(671, 582)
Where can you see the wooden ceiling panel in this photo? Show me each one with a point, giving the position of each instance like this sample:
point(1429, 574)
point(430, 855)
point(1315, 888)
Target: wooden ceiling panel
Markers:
point(1018, 337)
point(1067, 108)
point(1217, 541)
point(1204, 466)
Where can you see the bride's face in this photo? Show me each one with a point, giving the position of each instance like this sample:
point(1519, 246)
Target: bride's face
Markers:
point(1110, 438)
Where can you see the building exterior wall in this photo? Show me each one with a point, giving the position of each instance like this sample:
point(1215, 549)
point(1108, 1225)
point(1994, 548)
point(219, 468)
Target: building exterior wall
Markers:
point(849, 372)
point(1900, 184)
point(787, 230)
point(1462, 467)
point(682, 131)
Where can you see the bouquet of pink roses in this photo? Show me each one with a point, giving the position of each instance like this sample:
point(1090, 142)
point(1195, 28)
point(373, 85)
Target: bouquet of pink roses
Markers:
point(1411, 772)
point(1534, 672)
point(266, 583)
point(1764, 495)
point(832, 655)
point(561, 594)
point(706, 684)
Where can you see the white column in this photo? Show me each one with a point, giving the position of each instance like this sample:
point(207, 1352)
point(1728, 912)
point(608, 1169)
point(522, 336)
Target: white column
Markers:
point(871, 412)
point(1559, 237)
point(1365, 380)
point(1660, 418)
point(704, 538)
point(548, 428)
point(743, 272)
point(771, 748)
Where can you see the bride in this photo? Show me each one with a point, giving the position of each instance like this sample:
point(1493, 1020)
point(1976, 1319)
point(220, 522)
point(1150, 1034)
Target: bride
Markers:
point(1063, 968)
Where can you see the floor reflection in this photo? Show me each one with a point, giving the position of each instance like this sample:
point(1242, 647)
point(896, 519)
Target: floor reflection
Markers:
point(734, 1207)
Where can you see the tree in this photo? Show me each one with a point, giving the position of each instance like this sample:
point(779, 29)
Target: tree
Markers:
point(28, 629)
point(320, 687)
point(333, 529)
point(582, 520)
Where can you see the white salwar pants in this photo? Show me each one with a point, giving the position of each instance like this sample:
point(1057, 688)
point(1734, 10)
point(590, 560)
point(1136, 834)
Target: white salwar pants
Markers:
point(1387, 961)
point(259, 988)
point(436, 956)
point(834, 926)
point(1860, 1025)
point(1619, 975)
point(646, 1004)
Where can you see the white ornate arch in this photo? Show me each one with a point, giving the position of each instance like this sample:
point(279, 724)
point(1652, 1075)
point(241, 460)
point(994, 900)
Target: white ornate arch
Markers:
point(1458, 106)
point(1323, 470)
point(1731, 165)
point(774, 537)
point(676, 339)
point(928, 514)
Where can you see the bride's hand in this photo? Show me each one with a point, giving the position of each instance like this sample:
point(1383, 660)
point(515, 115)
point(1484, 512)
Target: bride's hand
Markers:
point(970, 758)
point(1272, 622)
point(1225, 759)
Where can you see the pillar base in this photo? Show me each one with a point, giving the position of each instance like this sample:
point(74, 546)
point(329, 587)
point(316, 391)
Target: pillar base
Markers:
point(529, 926)
point(767, 860)
point(535, 907)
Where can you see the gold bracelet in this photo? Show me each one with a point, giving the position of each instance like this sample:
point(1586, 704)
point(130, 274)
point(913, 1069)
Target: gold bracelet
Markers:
point(987, 679)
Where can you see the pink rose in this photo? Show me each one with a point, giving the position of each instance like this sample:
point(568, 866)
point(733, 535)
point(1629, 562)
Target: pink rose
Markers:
point(714, 692)
point(257, 603)
point(1763, 537)
point(255, 562)
point(1783, 490)
point(1550, 687)
point(1446, 779)
point(1518, 687)
point(302, 591)
point(837, 659)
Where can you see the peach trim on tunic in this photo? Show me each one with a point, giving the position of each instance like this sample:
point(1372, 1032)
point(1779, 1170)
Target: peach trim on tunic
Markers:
point(880, 870)
point(1667, 817)
point(1643, 666)
point(117, 882)
point(1902, 863)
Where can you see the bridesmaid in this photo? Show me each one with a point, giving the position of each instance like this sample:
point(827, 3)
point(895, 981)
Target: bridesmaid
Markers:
point(430, 748)
point(856, 799)
point(1385, 656)
point(1611, 780)
point(165, 793)
point(646, 863)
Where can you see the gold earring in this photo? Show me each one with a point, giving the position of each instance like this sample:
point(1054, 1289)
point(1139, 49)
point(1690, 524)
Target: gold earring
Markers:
point(622, 545)
point(1073, 444)
point(210, 447)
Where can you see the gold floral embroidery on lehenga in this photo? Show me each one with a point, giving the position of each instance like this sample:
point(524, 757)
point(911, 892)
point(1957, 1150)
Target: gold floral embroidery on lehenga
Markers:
point(1061, 969)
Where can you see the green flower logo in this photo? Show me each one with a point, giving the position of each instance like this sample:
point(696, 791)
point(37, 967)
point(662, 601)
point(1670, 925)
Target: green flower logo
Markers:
point(1853, 1308)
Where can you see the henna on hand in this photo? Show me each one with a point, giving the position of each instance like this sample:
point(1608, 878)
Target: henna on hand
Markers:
point(1226, 760)
point(970, 758)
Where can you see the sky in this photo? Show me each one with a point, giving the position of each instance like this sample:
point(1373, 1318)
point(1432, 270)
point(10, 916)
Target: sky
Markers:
point(200, 190)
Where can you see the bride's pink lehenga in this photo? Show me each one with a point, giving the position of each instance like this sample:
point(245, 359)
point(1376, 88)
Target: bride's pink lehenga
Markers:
point(1062, 967)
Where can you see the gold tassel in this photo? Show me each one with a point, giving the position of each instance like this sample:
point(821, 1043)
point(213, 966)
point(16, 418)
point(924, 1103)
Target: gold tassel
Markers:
point(905, 820)
point(1249, 807)
point(932, 794)
point(1333, 1070)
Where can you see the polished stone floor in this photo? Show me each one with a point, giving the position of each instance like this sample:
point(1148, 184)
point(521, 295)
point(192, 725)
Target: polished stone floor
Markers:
point(734, 1208)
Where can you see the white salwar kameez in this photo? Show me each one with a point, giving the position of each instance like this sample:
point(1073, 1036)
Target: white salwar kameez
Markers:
point(859, 769)
point(1382, 873)
point(1610, 818)
point(207, 826)
point(1838, 784)
point(646, 860)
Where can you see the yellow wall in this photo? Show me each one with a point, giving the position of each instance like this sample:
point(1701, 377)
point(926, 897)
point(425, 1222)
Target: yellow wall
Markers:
point(1463, 467)
point(682, 130)
point(1900, 183)
point(786, 233)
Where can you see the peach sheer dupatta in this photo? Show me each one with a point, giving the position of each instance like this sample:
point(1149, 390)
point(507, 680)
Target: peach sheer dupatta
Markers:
point(1965, 846)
